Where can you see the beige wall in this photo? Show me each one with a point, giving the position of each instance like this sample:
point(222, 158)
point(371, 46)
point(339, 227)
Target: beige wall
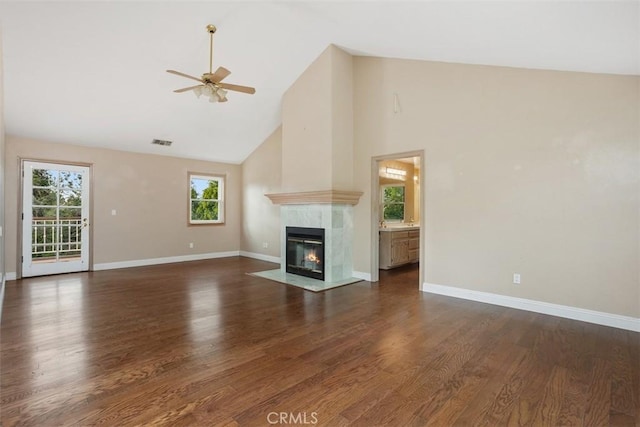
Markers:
point(261, 174)
point(341, 120)
point(317, 126)
point(306, 129)
point(149, 194)
point(530, 172)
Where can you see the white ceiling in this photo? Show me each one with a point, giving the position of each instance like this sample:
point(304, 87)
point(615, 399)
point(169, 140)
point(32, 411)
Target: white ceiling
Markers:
point(93, 73)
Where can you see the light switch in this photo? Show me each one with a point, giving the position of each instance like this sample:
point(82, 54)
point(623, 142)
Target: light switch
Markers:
point(113, 211)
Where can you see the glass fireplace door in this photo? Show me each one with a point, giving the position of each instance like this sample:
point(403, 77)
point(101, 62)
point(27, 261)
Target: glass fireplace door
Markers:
point(305, 252)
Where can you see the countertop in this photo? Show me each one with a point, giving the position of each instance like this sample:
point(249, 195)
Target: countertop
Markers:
point(400, 227)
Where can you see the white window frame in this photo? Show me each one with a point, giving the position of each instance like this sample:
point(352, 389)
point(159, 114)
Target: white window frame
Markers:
point(220, 200)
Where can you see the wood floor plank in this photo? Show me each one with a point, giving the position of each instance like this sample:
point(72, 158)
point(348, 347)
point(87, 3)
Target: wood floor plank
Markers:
point(472, 381)
point(623, 394)
point(498, 409)
point(372, 398)
point(598, 405)
point(393, 410)
point(440, 394)
point(549, 409)
point(204, 343)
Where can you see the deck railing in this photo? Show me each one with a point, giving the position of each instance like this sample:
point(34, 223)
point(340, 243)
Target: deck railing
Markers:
point(55, 238)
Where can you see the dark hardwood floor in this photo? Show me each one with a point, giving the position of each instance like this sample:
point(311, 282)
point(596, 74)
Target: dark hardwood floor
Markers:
point(204, 344)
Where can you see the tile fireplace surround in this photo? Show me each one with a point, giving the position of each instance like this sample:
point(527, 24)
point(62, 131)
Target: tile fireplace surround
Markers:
point(330, 210)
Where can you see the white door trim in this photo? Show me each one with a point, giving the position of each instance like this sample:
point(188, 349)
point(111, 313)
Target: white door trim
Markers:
point(375, 208)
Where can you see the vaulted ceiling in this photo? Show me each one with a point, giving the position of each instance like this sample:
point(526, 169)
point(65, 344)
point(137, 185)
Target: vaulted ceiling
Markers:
point(93, 73)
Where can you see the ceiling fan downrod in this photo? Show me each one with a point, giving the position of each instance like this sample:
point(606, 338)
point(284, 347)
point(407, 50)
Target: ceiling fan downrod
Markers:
point(211, 29)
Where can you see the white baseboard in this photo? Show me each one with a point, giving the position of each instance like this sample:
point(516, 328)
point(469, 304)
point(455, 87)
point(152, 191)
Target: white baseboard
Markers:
point(568, 312)
point(361, 275)
point(165, 260)
point(261, 257)
point(11, 275)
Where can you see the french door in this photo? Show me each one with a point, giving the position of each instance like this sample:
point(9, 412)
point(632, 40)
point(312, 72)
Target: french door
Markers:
point(55, 218)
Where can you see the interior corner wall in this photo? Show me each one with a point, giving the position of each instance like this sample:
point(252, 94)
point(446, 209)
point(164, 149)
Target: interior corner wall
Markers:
point(150, 195)
point(341, 119)
point(261, 174)
point(306, 128)
point(526, 171)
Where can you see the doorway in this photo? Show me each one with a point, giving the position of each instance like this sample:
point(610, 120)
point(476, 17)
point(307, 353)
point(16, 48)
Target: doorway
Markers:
point(397, 231)
point(55, 218)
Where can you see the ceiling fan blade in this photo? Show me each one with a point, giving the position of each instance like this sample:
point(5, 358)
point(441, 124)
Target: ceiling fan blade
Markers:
point(220, 75)
point(185, 89)
point(223, 99)
point(238, 88)
point(178, 73)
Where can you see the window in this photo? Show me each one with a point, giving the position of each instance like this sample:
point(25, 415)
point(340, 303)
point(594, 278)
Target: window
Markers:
point(206, 200)
point(393, 202)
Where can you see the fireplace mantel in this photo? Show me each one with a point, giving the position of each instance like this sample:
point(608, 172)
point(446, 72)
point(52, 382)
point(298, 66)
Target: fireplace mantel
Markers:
point(312, 197)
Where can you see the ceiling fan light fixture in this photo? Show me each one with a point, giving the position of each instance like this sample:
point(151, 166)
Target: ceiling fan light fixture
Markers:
point(221, 94)
point(214, 93)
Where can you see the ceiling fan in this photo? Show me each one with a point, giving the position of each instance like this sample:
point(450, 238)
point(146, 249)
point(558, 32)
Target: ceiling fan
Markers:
point(211, 83)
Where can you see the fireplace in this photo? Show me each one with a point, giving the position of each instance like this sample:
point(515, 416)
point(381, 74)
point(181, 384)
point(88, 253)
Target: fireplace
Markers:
point(329, 211)
point(305, 251)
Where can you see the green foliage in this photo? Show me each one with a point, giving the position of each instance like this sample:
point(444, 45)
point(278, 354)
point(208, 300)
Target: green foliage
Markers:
point(44, 178)
point(211, 192)
point(44, 193)
point(204, 210)
point(206, 207)
point(56, 192)
point(393, 203)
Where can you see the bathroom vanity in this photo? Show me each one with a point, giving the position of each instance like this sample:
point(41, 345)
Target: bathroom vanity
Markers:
point(399, 245)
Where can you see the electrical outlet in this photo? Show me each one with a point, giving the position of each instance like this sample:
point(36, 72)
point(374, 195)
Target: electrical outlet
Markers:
point(265, 245)
point(191, 245)
point(516, 278)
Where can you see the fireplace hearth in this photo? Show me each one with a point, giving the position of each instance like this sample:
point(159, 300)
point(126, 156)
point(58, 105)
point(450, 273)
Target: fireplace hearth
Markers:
point(305, 251)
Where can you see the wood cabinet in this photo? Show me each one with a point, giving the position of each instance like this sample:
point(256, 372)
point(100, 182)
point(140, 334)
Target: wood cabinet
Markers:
point(399, 247)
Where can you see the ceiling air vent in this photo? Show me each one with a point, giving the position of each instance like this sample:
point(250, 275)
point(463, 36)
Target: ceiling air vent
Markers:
point(162, 142)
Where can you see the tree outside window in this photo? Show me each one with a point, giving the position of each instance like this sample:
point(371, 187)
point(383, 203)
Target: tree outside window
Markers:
point(393, 202)
point(206, 201)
